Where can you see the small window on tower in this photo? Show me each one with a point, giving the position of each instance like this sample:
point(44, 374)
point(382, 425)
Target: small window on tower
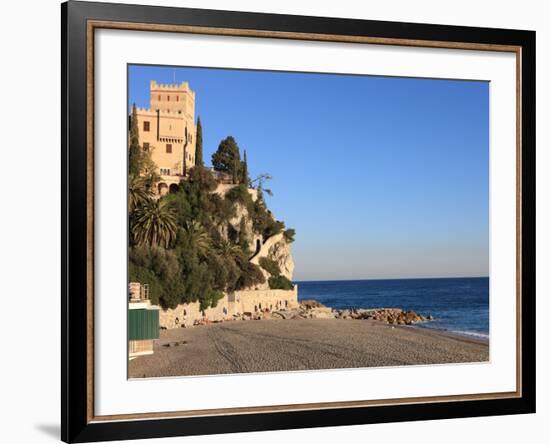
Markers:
point(145, 146)
point(159, 97)
point(146, 126)
point(168, 147)
point(177, 98)
point(168, 98)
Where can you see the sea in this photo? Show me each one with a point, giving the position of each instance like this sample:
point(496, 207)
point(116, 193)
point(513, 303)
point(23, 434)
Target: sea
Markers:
point(459, 305)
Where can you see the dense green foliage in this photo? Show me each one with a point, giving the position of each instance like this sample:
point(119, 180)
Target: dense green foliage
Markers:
point(269, 265)
point(227, 158)
point(178, 247)
point(186, 245)
point(240, 194)
point(138, 193)
point(264, 222)
point(154, 224)
point(276, 281)
point(251, 275)
point(280, 283)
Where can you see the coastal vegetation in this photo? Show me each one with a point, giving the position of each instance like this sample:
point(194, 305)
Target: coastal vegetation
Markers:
point(276, 280)
point(194, 244)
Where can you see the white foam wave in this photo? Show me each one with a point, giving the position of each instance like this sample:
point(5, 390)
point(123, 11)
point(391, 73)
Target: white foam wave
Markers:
point(470, 333)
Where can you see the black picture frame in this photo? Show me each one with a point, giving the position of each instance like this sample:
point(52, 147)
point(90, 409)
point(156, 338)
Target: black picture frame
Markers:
point(77, 325)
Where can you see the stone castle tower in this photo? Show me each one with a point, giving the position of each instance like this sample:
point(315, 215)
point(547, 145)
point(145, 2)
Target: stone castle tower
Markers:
point(167, 130)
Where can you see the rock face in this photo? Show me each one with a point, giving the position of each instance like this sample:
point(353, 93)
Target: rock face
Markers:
point(241, 213)
point(278, 249)
point(310, 303)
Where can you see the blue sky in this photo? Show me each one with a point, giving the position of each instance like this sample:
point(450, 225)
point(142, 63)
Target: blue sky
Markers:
point(381, 177)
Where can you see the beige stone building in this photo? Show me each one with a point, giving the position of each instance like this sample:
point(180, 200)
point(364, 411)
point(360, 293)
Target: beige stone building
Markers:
point(167, 130)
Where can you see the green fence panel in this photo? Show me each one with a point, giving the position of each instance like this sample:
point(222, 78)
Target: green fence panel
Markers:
point(143, 324)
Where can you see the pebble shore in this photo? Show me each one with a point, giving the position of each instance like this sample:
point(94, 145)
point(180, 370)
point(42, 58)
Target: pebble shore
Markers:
point(307, 338)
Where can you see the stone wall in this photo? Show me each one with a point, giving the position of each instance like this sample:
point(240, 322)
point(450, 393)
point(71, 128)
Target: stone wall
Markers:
point(236, 303)
point(258, 300)
point(186, 314)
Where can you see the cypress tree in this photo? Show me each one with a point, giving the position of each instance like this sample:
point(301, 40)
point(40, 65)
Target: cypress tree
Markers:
point(243, 238)
point(198, 155)
point(134, 154)
point(235, 172)
point(244, 170)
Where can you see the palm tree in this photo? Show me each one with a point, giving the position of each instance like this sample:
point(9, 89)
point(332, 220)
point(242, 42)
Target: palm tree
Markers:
point(154, 224)
point(229, 251)
point(138, 194)
point(260, 180)
point(196, 238)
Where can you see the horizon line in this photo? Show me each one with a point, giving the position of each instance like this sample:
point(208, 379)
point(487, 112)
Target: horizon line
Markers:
point(391, 279)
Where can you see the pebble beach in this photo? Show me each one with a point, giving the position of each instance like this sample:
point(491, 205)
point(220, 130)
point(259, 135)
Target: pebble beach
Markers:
point(300, 344)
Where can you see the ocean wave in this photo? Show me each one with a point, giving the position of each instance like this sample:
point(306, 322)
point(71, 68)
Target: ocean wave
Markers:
point(470, 333)
point(475, 334)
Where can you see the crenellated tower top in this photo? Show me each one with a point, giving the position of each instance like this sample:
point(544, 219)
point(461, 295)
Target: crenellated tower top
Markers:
point(174, 98)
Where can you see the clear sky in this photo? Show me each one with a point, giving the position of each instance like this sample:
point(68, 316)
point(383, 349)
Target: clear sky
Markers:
point(381, 177)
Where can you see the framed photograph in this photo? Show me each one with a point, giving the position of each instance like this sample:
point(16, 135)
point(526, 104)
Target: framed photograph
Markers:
point(276, 221)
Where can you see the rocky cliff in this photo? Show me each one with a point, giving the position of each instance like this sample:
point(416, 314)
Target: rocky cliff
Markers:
point(276, 247)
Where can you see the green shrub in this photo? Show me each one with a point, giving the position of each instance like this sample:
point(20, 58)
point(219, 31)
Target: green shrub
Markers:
point(271, 266)
point(250, 275)
point(211, 299)
point(202, 179)
point(280, 283)
point(289, 234)
point(239, 194)
point(243, 241)
point(273, 227)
